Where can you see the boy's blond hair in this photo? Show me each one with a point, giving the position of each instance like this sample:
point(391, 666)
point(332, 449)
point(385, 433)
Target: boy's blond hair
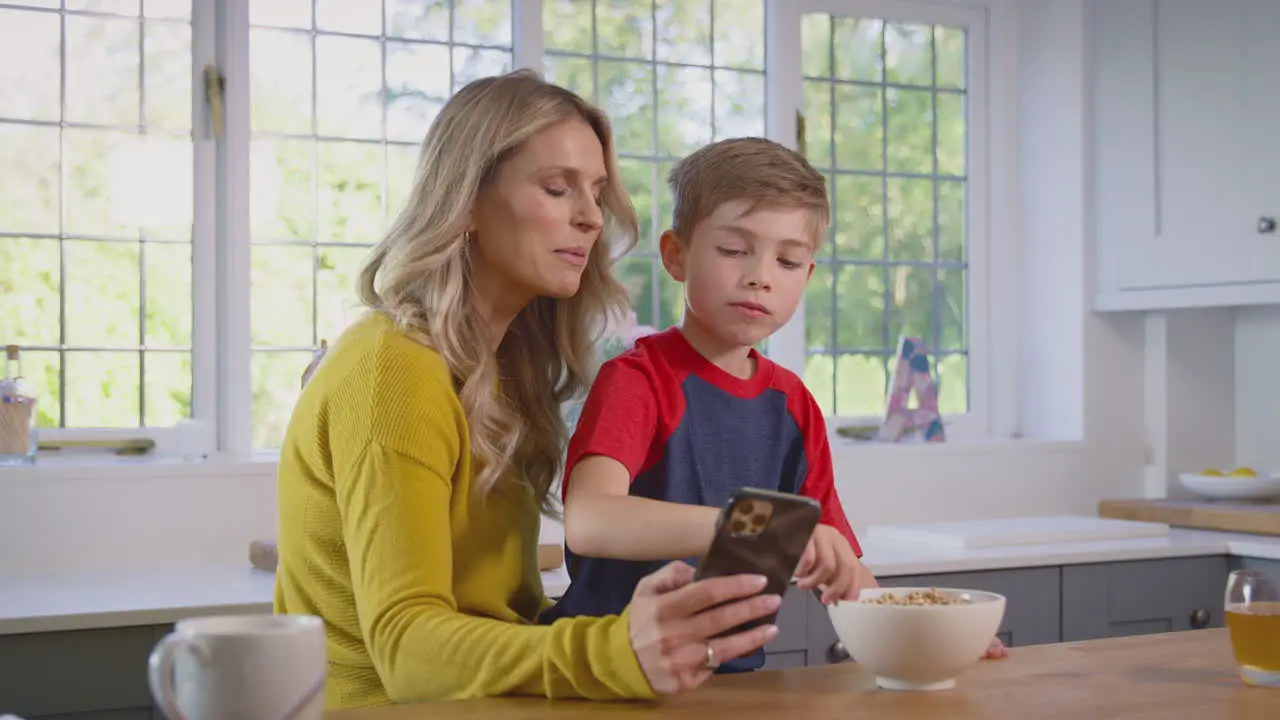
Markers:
point(751, 168)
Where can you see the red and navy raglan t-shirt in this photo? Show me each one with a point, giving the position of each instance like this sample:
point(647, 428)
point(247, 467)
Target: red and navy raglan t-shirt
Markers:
point(690, 432)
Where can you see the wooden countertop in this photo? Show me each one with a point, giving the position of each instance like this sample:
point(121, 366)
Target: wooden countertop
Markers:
point(1178, 675)
point(1254, 518)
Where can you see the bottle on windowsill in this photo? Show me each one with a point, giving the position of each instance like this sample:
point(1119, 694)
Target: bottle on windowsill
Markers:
point(17, 413)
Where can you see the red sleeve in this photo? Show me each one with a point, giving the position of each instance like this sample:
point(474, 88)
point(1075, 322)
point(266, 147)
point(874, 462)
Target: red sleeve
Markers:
point(618, 420)
point(819, 481)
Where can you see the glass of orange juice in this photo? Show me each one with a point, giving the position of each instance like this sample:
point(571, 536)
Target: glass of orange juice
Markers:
point(1253, 620)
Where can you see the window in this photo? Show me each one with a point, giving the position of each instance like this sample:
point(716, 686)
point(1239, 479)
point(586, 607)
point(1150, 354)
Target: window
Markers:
point(96, 203)
point(163, 271)
point(884, 107)
point(341, 94)
point(673, 75)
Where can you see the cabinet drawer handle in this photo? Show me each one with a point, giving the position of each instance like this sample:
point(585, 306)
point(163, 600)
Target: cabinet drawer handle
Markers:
point(1200, 619)
point(837, 652)
point(1266, 225)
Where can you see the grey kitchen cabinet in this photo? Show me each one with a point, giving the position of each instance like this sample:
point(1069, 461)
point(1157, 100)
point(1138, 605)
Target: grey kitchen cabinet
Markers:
point(822, 646)
point(792, 622)
point(1148, 596)
point(1270, 567)
point(788, 649)
point(78, 673)
point(785, 660)
point(1032, 607)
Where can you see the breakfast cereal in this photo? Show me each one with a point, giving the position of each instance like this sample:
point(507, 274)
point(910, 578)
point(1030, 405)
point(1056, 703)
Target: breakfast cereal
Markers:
point(918, 597)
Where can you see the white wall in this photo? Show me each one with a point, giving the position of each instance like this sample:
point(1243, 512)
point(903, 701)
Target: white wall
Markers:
point(1257, 388)
point(126, 517)
point(1190, 395)
point(1053, 193)
point(1079, 379)
point(91, 521)
point(903, 484)
point(895, 485)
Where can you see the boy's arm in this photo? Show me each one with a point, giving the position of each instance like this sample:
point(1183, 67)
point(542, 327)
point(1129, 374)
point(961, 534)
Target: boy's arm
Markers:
point(602, 520)
point(615, 432)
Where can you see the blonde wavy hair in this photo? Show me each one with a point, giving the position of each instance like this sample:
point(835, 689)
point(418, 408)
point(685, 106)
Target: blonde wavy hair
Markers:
point(420, 275)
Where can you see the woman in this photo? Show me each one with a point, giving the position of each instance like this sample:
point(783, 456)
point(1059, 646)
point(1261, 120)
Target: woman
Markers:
point(424, 446)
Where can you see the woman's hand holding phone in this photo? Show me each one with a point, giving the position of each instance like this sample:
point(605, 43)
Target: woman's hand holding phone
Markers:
point(674, 620)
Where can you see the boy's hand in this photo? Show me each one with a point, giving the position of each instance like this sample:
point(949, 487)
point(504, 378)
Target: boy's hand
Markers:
point(996, 650)
point(829, 564)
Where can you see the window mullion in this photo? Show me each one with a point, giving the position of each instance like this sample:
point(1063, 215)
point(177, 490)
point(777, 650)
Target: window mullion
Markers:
point(992, 407)
point(234, 393)
point(782, 103)
point(526, 34)
point(204, 247)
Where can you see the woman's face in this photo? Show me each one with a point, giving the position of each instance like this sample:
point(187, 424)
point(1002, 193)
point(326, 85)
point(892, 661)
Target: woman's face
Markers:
point(536, 222)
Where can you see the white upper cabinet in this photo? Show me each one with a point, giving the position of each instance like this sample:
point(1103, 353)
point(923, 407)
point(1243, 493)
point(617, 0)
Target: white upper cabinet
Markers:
point(1185, 124)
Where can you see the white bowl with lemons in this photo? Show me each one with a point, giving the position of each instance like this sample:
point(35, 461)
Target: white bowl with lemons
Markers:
point(1240, 484)
point(918, 638)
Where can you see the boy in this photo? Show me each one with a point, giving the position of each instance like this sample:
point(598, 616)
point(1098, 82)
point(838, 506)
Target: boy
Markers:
point(674, 426)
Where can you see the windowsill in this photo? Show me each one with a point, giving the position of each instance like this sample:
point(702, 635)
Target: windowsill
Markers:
point(99, 467)
point(969, 446)
point(89, 468)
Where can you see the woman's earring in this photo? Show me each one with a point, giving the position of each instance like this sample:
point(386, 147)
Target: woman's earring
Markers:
point(469, 236)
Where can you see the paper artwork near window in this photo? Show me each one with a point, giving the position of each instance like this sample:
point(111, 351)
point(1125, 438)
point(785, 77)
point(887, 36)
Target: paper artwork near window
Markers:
point(911, 374)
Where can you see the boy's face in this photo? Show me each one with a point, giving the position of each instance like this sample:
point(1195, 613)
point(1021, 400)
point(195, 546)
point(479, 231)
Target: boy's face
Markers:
point(743, 272)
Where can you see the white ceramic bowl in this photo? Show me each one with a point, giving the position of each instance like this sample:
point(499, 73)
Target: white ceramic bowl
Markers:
point(1232, 487)
point(918, 647)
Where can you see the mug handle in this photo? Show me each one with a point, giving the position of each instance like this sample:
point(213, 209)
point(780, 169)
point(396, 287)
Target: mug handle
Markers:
point(160, 671)
point(317, 687)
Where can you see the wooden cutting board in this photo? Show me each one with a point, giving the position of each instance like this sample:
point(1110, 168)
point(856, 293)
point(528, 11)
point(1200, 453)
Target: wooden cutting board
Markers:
point(1262, 519)
point(263, 555)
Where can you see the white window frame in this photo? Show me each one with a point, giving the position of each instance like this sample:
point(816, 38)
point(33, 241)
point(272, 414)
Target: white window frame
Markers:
point(234, 388)
point(784, 102)
point(221, 391)
point(197, 436)
point(221, 342)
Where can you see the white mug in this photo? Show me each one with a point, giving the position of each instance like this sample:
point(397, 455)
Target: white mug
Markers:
point(265, 667)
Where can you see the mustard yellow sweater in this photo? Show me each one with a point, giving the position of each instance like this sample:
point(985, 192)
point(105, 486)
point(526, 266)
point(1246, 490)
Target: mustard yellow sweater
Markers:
point(426, 591)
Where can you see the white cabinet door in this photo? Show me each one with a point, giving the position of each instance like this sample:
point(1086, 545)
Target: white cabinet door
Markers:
point(1200, 143)
point(1183, 120)
point(1262, 118)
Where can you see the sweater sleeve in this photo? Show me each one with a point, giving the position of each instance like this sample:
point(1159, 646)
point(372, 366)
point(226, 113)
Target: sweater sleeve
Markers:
point(395, 517)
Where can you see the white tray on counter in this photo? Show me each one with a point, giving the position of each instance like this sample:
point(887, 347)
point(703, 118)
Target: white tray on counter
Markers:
point(1006, 532)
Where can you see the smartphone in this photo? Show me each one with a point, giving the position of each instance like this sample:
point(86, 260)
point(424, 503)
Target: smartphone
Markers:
point(761, 532)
